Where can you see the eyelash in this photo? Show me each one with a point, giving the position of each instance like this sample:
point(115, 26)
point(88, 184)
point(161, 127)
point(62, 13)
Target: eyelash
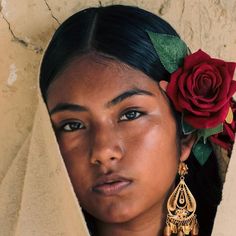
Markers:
point(68, 126)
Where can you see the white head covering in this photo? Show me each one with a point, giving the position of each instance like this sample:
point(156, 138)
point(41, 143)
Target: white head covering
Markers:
point(36, 196)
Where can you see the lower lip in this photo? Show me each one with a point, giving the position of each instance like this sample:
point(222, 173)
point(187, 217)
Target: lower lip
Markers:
point(111, 189)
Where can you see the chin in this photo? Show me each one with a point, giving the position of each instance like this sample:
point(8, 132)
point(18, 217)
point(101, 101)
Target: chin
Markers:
point(117, 215)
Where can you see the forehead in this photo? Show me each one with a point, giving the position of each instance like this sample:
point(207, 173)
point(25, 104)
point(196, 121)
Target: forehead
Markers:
point(95, 77)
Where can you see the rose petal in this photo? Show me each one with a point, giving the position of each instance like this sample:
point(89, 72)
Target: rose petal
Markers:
point(226, 82)
point(198, 88)
point(195, 59)
point(223, 144)
point(229, 132)
point(205, 122)
point(226, 138)
point(172, 88)
point(183, 83)
point(201, 100)
point(231, 68)
point(232, 89)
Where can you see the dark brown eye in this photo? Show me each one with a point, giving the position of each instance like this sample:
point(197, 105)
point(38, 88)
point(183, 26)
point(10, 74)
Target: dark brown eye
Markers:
point(131, 115)
point(72, 126)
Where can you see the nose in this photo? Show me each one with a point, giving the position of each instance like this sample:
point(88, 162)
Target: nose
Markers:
point(106, 146)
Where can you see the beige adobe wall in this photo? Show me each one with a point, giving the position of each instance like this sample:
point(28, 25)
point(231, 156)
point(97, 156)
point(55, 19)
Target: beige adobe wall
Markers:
point(27, 25)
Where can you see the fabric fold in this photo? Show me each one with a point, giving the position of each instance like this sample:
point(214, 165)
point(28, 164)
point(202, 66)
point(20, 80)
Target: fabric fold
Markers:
point(36, 195)
point(11, 190)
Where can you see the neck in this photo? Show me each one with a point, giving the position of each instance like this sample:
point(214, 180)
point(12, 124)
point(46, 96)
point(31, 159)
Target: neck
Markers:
point(150, 223)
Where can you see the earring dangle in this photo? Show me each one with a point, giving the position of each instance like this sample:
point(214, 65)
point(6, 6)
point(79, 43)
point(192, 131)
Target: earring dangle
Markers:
point(181, 206)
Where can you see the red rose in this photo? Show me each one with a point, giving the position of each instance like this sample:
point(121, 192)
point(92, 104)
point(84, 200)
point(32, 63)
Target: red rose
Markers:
point(202, 90)
point(226, 138)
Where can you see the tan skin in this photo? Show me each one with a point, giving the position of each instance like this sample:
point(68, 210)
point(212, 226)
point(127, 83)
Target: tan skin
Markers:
point(118, 140)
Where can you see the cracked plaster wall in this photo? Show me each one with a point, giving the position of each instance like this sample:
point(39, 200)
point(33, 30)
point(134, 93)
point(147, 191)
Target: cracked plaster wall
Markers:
point(27, 25)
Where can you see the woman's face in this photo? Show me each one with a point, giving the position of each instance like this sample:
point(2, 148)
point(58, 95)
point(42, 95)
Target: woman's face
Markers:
point(117, 136)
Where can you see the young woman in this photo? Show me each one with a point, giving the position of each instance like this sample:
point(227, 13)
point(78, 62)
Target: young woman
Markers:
point(120, 126)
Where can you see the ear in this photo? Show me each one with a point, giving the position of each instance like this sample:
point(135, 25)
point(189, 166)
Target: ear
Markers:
point(186, 146)
point(163, 84)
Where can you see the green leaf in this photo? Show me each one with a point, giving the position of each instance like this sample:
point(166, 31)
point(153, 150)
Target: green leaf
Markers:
point(205, 133)
point(170, 49)
point(202, 151)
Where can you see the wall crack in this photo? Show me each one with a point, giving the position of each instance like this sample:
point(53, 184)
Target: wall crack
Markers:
point(182, 11)
point(49, 8)
point(19, 40)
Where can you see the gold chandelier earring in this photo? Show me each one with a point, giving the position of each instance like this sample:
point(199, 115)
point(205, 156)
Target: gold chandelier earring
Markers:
point(181, 206)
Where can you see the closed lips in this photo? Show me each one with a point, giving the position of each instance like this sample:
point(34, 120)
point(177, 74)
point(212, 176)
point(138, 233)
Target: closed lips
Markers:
point(111, 184)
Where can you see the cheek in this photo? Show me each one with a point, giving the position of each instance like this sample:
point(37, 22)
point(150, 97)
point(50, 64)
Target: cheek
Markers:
point(73, 147)
point(152, 138)
point(74, 151)
point(152, 152)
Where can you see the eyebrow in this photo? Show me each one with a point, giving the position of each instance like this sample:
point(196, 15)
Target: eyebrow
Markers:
point(67, 107)
point(78, 108)
point(128, 94)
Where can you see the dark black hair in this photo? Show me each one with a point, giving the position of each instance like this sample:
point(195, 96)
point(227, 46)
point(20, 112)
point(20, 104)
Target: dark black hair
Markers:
point(120, 32)
point(116, 31)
